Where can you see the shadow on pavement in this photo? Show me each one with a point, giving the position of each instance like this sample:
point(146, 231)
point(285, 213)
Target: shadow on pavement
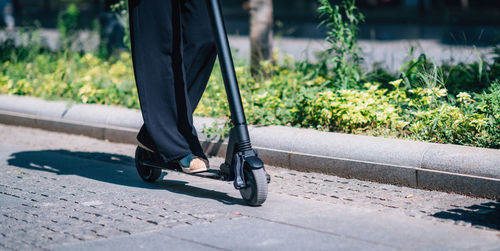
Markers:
point(484, 214)
point(111, 168)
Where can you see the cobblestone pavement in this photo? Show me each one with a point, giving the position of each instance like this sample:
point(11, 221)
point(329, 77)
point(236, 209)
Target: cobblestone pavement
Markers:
point(60, 191)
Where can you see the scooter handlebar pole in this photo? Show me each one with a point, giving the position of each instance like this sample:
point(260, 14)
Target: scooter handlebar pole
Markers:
point(228, 74)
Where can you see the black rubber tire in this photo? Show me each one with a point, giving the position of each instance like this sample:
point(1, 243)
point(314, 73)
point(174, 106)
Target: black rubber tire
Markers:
point(255, 192)
point(147, 173)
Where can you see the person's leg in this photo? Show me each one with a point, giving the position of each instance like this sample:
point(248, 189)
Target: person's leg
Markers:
point(156, 52)
point(199, 47)
point(198, 56)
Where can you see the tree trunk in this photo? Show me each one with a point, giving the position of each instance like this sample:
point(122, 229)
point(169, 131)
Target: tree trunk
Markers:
point(261, 33)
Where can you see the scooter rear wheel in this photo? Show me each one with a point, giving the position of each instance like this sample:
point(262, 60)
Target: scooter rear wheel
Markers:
point(255, 192)
point(147, 173)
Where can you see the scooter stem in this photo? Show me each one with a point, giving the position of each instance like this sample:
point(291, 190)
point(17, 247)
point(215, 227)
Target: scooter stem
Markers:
point(229, 76)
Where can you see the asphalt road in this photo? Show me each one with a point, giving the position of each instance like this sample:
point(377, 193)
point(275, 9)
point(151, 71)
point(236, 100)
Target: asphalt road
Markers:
point(67, 192)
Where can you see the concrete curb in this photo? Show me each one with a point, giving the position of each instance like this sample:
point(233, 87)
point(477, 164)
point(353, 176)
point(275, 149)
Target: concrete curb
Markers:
point(451, 168)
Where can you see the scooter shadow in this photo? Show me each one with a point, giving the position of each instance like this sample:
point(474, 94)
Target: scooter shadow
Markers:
point(482, 215)
point(111, 168)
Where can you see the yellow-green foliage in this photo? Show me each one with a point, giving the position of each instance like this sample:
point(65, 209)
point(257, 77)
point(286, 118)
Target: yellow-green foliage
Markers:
point(85, 79)
point(352, 111)
point(293, 94)
point(433, 119)
point(420, 113)
point(266, 101)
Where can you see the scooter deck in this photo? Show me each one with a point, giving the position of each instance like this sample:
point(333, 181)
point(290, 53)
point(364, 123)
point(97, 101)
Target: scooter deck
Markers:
point(210, 173)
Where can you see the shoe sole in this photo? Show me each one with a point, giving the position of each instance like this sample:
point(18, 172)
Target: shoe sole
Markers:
point(201, 167)
point(187, 170)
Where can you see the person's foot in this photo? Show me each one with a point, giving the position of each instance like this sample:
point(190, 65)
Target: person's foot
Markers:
point(193, 164)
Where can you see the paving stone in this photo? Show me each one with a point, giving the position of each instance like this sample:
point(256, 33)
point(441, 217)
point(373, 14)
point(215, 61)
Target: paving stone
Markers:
point(58, 189)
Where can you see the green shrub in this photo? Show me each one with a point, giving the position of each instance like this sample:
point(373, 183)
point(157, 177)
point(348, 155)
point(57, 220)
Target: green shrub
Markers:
point(381, 76)
point(344, 54)
point(84, 79)
point(433, 119)
point(488, 103)
point(494, 70)
point(295, 94)
point(352, 111)
point(417, 113)
point(461, 77)
point(425, 101)
point(23, 48)
point(268, 101)
point(121, 12)
point(67, 24)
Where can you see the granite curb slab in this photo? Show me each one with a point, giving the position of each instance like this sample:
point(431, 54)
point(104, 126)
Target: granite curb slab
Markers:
point(451, 168)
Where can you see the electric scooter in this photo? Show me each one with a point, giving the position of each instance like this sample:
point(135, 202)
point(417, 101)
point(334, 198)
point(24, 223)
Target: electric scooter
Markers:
point(242, 164)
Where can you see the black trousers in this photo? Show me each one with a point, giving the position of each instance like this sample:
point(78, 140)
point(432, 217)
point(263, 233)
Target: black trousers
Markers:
point(173, 53)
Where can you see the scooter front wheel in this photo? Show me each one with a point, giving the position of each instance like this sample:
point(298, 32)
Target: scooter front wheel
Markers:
point(255, 191)
point(147, 173)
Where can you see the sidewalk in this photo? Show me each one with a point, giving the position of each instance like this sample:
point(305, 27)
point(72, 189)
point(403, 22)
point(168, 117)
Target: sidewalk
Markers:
point(451, 168)
point(68, 192)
